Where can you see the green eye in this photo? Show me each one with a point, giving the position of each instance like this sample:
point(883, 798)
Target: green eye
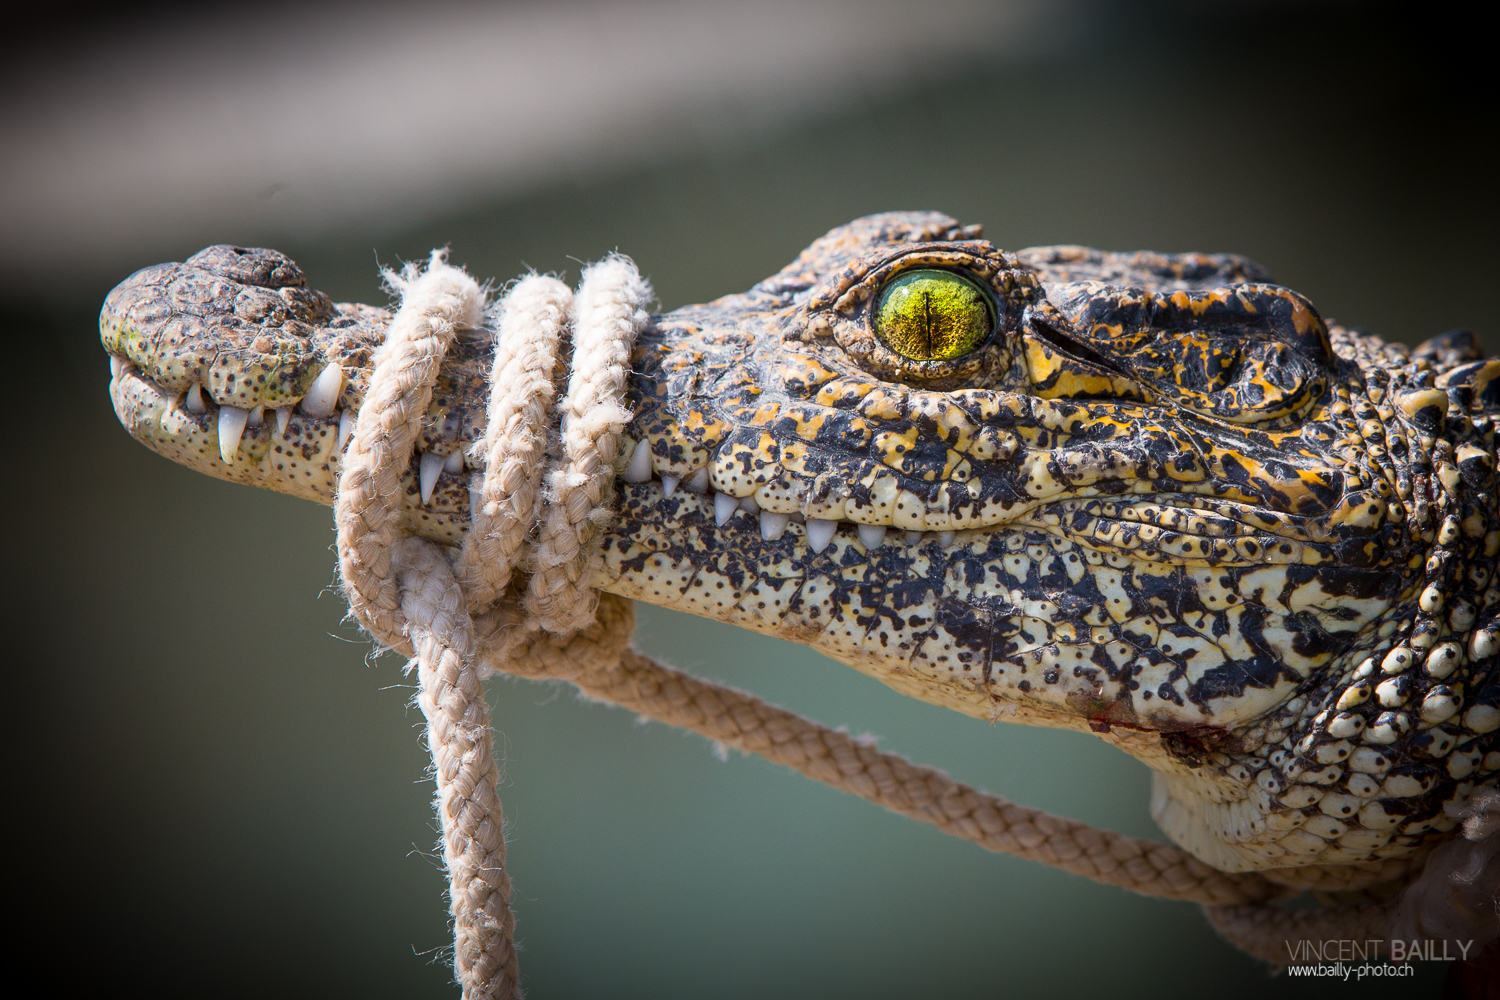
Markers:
point(933, 316)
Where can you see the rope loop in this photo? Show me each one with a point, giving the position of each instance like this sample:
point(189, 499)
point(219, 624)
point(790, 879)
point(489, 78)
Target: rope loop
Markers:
point(609, 312)
point(517, 598)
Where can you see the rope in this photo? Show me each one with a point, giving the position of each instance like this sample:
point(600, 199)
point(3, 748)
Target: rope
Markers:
point(539, 505)
point(407, 596)
point(600, 663)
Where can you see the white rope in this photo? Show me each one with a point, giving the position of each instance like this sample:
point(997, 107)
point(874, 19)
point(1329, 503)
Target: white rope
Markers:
point(533, 319)
point(406, 593)
point(608, 313)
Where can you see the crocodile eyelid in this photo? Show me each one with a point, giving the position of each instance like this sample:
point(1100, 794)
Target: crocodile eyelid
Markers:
point(853, 290)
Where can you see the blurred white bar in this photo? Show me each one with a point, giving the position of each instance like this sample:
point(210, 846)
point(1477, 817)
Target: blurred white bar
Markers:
point(241, 127)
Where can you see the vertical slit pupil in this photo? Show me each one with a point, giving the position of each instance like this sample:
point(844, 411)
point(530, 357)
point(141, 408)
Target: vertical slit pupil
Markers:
point(927, 321)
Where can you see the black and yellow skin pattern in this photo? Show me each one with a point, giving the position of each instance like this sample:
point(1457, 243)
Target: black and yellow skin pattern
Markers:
point(1153, 497)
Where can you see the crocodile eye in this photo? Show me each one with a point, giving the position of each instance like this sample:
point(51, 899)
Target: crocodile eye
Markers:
point(933, 315)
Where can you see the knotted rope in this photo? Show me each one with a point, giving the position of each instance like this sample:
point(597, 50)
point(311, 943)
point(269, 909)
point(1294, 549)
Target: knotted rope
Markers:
point(516, 598)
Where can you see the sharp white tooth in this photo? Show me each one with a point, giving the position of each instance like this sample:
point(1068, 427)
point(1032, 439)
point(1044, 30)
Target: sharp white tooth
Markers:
point(912, 537)
point(750, 503)
point(945, 538)
point(669, 485)
point(454, 462)
point(323, 395)
point(724, 507)
point(116, 366)
point(283, 415)
point(429, 467)
point(195, 402)
point(231, 429)
point(871, 535)
point(476, 490)
point(257, 417)
point(772, 525)
point(639, 469)
point(346, 427)
point(820, 532)
point(697, 482)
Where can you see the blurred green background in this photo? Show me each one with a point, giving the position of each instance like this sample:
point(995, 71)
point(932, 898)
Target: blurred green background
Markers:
point(215, 791)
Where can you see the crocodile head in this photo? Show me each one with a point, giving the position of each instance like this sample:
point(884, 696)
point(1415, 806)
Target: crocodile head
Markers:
point(1153, 497)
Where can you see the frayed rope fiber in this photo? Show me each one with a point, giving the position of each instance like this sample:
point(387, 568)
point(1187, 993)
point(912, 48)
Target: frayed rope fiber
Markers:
point(516, 598)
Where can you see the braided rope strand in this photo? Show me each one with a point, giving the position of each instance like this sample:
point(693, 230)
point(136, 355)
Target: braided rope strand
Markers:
point(600, 663)
point(367, 509)
point(610, 310)
point(405, 594)
point(534, 317)
point(451, 696)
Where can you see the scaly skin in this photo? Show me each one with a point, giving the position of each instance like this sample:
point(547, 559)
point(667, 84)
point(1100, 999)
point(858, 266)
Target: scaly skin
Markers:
point(1165, 503)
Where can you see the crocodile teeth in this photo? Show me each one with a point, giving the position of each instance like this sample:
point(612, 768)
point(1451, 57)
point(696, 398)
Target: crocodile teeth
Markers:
point(428, 470)
point(283, 416)
point(257, 416)
point(945, 538)
point(871, 535)
point(724, 508)
point(116, 366)
point(346, 427)
point(323, 395)
point(911, 537)
point(669, 485)
point(697, 482)
point(820, 532)
point(750, 503)
point(639, 469)
point(231, 428)
point(454, 462)
point(195, 402)
point(773, 525)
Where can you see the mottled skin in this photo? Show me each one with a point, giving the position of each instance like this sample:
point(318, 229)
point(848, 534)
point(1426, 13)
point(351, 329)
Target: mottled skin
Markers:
point(1165, 503)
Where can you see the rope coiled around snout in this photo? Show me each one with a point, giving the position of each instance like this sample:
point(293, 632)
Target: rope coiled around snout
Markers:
point(515, 598)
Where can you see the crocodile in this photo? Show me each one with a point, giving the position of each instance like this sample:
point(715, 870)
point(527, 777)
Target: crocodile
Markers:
point(1153, 497)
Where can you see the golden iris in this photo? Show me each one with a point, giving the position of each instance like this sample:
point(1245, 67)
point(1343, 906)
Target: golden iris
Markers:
point(933, 316)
